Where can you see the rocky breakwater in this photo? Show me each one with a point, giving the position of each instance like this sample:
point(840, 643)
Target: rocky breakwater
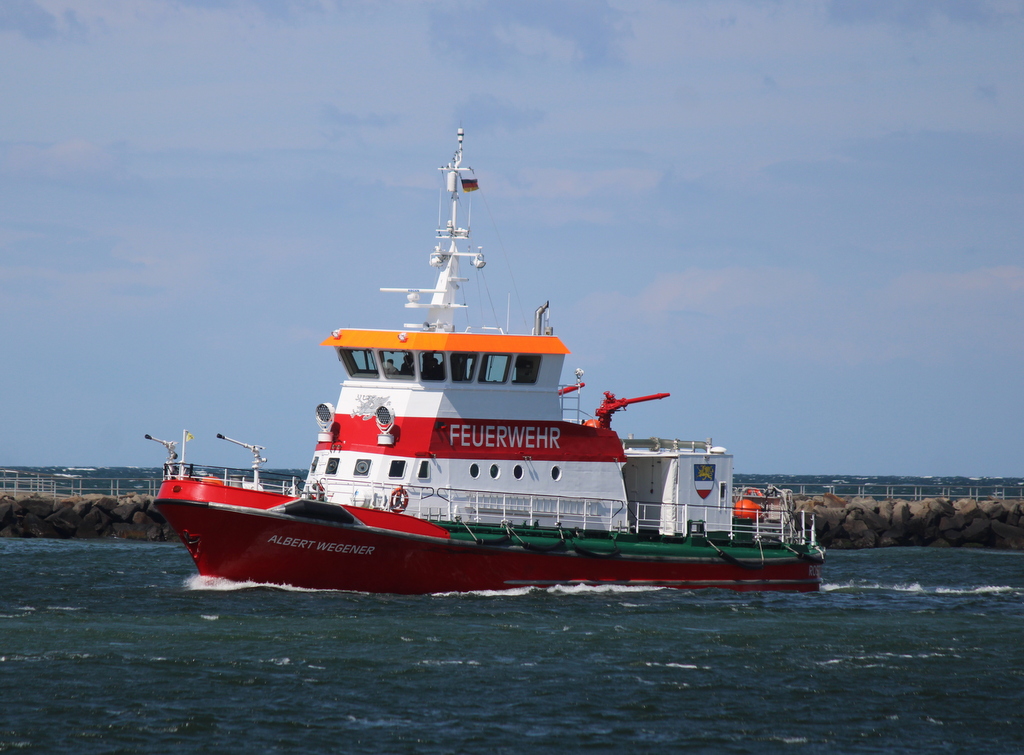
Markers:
point(130, 516)
point(938, 522)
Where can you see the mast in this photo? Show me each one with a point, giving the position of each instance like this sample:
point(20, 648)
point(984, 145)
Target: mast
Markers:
point(442, 305)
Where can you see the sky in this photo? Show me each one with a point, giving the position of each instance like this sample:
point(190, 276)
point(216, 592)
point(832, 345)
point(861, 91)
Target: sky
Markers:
point(802, 218)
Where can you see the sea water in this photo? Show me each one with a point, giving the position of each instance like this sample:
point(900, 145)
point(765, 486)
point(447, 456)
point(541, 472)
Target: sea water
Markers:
point(117, 647)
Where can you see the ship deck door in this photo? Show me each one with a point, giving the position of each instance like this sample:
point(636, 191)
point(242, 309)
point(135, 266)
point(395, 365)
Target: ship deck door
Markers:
point(648, 481)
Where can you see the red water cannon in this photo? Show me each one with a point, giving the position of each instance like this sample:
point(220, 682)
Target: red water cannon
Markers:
point(610, 405)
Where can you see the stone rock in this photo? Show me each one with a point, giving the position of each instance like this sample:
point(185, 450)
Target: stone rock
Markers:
point(65, 521)
point(978, 530)
point(86, 530)
point(125, 511)
point(11, 530)
point(876, 521)
point(942, 506)
point(131, 531)
point(804, 504)
point(858, 532)
point(831, 499)
point(953, 537)
point(104, 502)
point(33, 526)
point(140, 517)
point(1007, 531)
point(956, 522)
point(82, 507)
point(920, 509)
point(939, 543)
point(869, 539)
point(7, 512)
point(900, 512)
point(994, 510)
point(967, 509)
point(98, 520)
point(155, 514)
point(895, 535)
point(40, 507)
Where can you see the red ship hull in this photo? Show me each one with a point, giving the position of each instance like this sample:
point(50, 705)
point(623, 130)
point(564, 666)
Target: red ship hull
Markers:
point(231, 534)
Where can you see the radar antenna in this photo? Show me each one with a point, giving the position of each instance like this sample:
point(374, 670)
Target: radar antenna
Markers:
point(442, 305)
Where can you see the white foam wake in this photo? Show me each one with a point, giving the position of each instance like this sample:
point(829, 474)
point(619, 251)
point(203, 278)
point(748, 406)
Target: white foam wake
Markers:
point(219, 584)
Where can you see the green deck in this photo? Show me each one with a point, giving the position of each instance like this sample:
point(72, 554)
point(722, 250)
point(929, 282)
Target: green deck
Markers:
point(711, 545)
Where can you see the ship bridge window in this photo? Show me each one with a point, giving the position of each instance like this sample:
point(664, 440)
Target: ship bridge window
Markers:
point(362, 468)
point(527, 368)
point(332, 465)
point(359, 362)
point(495, 368)
point(397, 468)
point(463, 366)
point(398, 365)
point(424, 473)
point(431, 365)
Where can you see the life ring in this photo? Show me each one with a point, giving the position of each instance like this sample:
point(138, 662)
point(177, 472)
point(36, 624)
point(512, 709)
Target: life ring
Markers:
point(399, 500)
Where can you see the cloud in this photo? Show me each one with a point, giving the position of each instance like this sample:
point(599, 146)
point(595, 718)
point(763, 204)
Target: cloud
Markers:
point(981, 164)
point(921, 14)
point(493, 34)
point(75, 161)
point(561, 183)
point(932, 317)
point(339, 124)
point(487, 114)
point(280, 10)
point(27, 18)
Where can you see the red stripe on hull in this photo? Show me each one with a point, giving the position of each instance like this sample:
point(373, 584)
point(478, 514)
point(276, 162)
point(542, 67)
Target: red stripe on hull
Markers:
point(265, 548)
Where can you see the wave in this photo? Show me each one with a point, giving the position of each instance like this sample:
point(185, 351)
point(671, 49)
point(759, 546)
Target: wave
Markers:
point(554, 590)
point(219, 584)
point(915, 587)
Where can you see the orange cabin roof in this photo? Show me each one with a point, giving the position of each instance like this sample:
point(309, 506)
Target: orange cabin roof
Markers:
point(433, 341)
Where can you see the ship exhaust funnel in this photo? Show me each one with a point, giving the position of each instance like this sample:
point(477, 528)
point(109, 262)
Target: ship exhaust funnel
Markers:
point(538, 320)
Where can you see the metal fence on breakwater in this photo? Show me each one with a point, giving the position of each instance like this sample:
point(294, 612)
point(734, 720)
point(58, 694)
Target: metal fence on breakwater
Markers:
point(19, 481)
point(906, 491)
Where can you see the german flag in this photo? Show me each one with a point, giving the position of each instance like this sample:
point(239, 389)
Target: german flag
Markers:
point(470, 184)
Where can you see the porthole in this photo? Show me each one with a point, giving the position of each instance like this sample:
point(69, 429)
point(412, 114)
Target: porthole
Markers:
point(517, 472)
point(474, 470)
point(495, 471)
point(362, 467)
point(556, 473)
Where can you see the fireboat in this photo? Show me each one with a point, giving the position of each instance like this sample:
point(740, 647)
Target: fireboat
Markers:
point(457, 461)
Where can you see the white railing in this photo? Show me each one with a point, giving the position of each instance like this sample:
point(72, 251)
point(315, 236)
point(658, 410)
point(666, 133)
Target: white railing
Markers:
point(270, 482)
point(777, 522)
point(478, 506)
